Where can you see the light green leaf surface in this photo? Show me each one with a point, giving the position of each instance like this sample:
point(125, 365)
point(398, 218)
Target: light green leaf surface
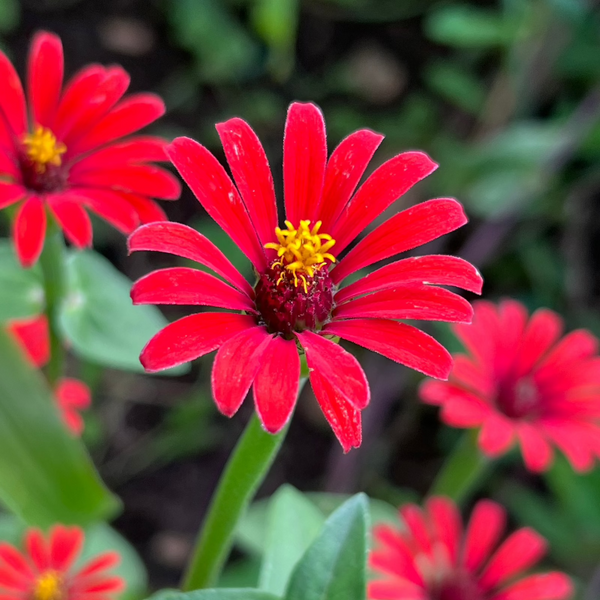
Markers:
point(215, 594)
point(46, 475)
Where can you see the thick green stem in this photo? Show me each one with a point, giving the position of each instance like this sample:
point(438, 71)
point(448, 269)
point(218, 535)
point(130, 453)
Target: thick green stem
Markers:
point(463, 470)
point(52, 262)
point(248, 465)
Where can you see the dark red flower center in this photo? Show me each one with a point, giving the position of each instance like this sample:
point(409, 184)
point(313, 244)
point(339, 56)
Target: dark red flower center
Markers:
point(518, 398)
point(41, 161)
point(457, 586)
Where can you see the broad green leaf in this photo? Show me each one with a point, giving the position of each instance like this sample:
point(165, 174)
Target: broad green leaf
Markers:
point(215, 594)
point(98, 319)
point(293, 522)
point(466, 26)
point(457, 85)
point(21, 290)
point(46, 475)
point(334, 566)
point(10, 13)
point(101, 538)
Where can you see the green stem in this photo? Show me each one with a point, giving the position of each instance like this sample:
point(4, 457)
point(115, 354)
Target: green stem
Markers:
point(251, 459)
point(463, 470)
point(52, 262)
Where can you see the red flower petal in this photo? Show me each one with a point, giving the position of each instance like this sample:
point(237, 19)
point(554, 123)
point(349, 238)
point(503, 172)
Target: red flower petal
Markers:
point(147, 210)
point(29, 231)
point(73, 219)
point(108, 584)
point(72, 393)
point(12, 99)
point(146, 180)
point(65, 546)
point(11, 193)
point(346, 166)
point(573, 348)
point(546, 586)
point(181, 240)
point(130, 115)
point(191, 337)
point(45, 77)
point(111, 206)
point(344, 419)
point(519, 552)
point(497, 434)
point(341, 370)
point(235, 368)
point(9, 166)
point(98, 564)
point(408, 229)
point(252, 175)
point(216, 192)
point(276, 384)
point(484, 531)
point(395, 556)
point(411, 301)
point(463, 409)
point(34, 337)
point(436, 270)
point(138, 150)
point(403, 343)
point(537, 452)
point(304, 161)
point(392, 590)
point(447, 524)
point(12, 558)
point(182, 285)
point(390, 181)
point(418, 529)
point(36, 547)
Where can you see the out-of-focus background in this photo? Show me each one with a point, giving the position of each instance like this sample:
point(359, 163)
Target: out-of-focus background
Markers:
point(504, 95)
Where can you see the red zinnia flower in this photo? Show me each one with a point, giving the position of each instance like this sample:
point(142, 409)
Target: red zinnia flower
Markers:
point(296, 302)
point(63, 155)
point(433, 559)
point(71, 395)
point(522, 382)
point(45, 571)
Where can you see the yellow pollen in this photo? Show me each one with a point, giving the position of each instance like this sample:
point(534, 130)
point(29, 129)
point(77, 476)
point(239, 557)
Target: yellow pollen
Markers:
point(49, 586)
point(43, 149)
point(302, 251)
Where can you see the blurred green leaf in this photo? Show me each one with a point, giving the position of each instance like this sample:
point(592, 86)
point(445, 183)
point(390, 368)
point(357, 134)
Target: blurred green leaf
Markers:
point(334, 566)
point(242, 573)
point(46, 475)
point(21, 290)
point(456, 85)
point(467, 26)
point(215, 594)
point(98, 318)
point(10, 14)
point(101, 538)
point(293, 522)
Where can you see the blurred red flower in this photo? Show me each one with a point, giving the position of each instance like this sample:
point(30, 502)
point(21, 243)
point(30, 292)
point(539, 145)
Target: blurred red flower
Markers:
point(68, 154)
point(296, 303)
point(522, 382)
point(433, 559)
point(45, 570)
point(71, 394)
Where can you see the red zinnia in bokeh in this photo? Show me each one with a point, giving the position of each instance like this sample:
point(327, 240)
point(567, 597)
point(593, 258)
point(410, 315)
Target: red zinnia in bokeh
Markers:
point(523, 383)
point(296, 303)
point(45, 570)
point(71, 394)
point(63, 152)
point(433, 559)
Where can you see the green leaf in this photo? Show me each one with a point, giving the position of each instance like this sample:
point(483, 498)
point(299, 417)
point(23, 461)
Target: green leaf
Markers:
point(456, 85)
point(293, 522)
point(21, 290)
point(102, 538)
point(466, 26)
point(215, 594)
point(46, 475)
point(334, 566)
point(98, 319)
point(9, 15)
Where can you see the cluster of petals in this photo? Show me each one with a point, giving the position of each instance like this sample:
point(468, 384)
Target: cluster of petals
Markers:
point(71, 395)
point(45, 570)
point(432, 558)
point(252, 352)
point(91, 167)
point(524, 382)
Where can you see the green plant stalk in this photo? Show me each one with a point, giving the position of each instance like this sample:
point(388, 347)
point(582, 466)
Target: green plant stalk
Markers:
point(52, 262)
point(463, 470)
point(247, 467)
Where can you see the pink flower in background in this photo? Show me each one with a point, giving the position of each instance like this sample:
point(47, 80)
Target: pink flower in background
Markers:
point(522, 382)
point(432, 558)
point(62, 150)
point(46, 570)
point(296, 303)
point(71, 394)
